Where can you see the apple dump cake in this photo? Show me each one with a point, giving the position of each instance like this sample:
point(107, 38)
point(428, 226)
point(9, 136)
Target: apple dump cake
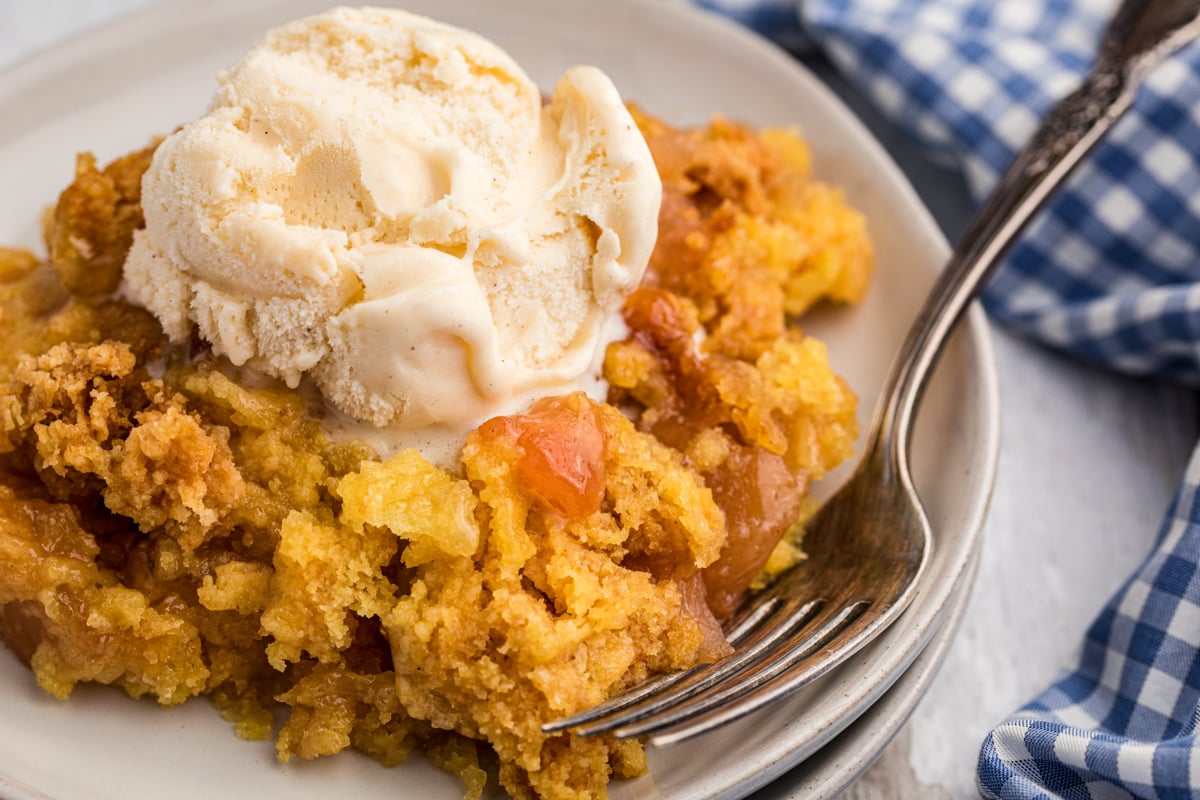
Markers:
point(432, 410)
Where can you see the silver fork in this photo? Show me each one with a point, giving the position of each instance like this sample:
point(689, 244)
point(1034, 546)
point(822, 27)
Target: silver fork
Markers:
point(869, 543)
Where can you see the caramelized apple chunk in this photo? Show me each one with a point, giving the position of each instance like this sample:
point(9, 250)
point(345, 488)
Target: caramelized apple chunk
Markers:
point(561, 449)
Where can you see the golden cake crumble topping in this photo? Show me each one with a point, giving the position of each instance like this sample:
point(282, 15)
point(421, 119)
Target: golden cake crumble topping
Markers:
point(172, 529)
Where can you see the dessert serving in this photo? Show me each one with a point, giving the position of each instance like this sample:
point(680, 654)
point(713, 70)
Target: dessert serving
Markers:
point(427, 407)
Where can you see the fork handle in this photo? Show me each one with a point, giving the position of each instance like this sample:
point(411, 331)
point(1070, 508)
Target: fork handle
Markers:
point(1139, 37)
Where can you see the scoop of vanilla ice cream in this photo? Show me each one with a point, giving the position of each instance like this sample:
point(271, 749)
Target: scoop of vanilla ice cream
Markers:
point(384, 203)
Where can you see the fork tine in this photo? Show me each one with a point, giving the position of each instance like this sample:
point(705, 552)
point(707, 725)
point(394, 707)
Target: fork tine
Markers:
point(743, 624)
point(747, 620)
point(784, 680)
point(663, 692)
point(623, 701)
point(802, 645)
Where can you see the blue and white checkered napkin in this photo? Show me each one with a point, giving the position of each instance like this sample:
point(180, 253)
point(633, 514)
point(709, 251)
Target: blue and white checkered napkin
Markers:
point(1111, 273)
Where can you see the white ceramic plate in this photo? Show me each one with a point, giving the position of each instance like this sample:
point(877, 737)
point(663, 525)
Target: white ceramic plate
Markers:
point(109, 90)
point(826, 773)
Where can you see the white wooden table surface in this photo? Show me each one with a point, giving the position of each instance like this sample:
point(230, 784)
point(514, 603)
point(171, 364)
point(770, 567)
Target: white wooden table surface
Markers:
point(1088, 464)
